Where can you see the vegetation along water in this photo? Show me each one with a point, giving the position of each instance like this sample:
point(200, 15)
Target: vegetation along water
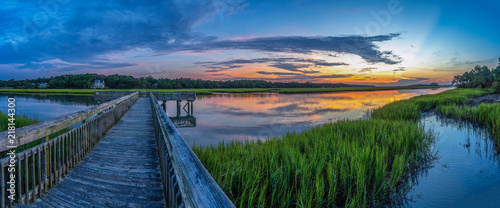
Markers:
point(348, 163)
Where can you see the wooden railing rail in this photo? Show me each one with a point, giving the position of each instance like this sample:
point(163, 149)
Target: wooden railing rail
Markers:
point(186, 182)
point(36, 131)
point(39, 168)
point(175, 95)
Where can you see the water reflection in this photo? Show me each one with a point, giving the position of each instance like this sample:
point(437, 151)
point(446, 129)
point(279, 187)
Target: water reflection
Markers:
point(250, 116)
point(466, 172)
point(45, 106)
point(184, 121)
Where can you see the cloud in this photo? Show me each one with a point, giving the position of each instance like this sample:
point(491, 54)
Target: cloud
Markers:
point(400, 69)
point(421, 78)
point(66, 67)
point(317, 62)
point(290, 66)
point(411, 81)
point(76, 31)
point(367, 69)
point(83, 32)
point(363, 46)
point(277, 73)
point(219, 69)
point(286, 63)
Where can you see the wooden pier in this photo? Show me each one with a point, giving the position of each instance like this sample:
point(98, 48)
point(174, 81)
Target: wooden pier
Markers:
point(162, 96)
point(138, 160)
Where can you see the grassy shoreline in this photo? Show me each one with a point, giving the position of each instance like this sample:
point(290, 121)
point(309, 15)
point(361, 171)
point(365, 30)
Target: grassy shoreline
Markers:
point(220, 90)
point(484, 114)
point(348, 163)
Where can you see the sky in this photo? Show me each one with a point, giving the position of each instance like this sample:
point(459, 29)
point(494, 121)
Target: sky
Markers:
point(383, 42)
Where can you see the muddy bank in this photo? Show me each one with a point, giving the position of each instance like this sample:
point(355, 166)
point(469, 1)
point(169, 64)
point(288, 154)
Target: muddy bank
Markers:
point(490, 98)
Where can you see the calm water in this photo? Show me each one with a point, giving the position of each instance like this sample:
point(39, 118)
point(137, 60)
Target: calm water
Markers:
point(251, 116)
point(466, 172)
point(46, 107)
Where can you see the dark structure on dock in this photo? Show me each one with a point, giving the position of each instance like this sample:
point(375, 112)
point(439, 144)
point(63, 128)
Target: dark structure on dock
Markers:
point(162, 96)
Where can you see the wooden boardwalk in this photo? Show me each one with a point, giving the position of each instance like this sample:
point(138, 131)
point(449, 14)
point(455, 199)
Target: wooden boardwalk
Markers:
point(121, 171)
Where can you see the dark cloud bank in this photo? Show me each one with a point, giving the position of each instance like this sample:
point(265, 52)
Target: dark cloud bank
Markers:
point(82, 31)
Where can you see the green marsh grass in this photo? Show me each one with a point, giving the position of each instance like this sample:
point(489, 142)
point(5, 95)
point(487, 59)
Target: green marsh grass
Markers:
point(410, 109)
point(485, 114)
point(348, 163)
point(22, 121)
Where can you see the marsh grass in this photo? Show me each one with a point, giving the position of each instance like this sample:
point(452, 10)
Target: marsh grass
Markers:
point(23, 120)
point(484, 114)
point(410, 109)
point(348, 163)
point(20, 121)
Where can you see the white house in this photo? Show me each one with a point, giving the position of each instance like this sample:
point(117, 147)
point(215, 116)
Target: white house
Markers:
point(98, 83)
point(43, 85)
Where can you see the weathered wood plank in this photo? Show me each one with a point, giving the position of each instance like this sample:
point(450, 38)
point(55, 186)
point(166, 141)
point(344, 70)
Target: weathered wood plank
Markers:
point(34, 132)
point(122, 170)
point(196, 185)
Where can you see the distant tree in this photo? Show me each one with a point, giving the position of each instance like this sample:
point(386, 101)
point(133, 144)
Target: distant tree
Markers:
point(478, 77)
point(496, 77)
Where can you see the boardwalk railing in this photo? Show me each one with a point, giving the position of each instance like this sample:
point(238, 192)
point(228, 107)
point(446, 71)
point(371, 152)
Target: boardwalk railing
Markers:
point(39, 168)
point(186, 182)
point(110, 95)
point(175, 95)
point(160, 95)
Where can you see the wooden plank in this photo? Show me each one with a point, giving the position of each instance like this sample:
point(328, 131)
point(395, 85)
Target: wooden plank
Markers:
point(26, 177)
point(34, 132)
point(121, 170)
point(39, 161)
point(33, 172)
point(3, 186)
point(197, 187)
point(19, 181)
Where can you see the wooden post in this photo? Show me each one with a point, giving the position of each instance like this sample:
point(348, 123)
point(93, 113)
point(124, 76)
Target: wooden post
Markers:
point(45, 156)
point(191, 108)
point(178, 108)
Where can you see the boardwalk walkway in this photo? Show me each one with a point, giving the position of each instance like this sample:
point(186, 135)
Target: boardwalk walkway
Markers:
point(121, 171)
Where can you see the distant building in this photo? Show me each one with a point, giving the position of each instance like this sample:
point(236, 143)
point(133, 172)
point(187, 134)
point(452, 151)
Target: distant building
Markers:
point(43, 85)
point(98, 83)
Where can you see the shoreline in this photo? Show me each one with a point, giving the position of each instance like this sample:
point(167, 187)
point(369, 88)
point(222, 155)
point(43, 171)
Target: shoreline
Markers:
point(224, 90)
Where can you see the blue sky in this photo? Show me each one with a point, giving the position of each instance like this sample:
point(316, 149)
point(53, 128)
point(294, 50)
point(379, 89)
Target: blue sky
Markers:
point(389, 42)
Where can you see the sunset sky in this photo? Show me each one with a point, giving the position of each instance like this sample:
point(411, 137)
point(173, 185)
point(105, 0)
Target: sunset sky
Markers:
point(386, 42)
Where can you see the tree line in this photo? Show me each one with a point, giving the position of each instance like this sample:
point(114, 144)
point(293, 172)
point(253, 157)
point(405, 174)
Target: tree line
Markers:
point(85, 81)
point(479, 77)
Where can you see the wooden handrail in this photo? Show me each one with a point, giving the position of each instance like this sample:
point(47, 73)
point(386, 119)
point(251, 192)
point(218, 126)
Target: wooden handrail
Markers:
point(36, 131)
point(39, 168)
point(186, 181)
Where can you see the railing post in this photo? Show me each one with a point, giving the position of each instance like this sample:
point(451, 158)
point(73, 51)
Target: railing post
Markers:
point(192, 113)
point(180, 167)
point(178, 108)
point(44, 162)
